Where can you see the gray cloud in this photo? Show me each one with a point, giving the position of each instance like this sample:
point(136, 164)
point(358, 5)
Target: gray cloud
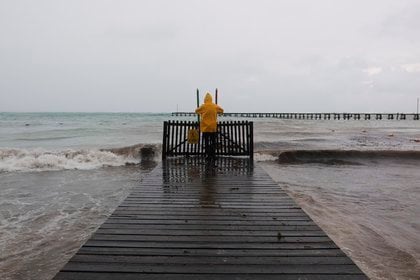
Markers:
point(262, 55)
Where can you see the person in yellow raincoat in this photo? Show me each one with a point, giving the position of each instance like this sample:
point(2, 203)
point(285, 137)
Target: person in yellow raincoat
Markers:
point(208, 124)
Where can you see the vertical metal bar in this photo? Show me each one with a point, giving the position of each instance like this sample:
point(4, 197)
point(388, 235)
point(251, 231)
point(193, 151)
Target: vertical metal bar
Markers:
point(198, 104)
point(238, 128)
point(235, 140)
point(184, 128)
point(232, 129)
point(179, 138)
point(164, 141)
point(238, 141)
point(221, 146)
point(251, 141)
point(243, 142)
point(221, 139)
point(247, 136)
point(187, 143)
point(175, 137)
point(168, 135)
point(216, 141)
point(185, 138)
point(202, 149)
point(226, 141)
point(227, 138)
point(236, 136)
point(195, 146)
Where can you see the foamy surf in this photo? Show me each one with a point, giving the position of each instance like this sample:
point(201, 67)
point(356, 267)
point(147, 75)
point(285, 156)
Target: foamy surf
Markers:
point(38, 159)
point(337, 157)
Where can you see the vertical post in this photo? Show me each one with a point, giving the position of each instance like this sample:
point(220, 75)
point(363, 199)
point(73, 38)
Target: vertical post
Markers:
point(174, 137)
point(235, 133)
point(165, 125)
point(243, 136)
point(185, 138)
point(224, 138)
point(251, 141)
point(216, 95)
point(168, 135)
point(198, 105)
point(179, 135)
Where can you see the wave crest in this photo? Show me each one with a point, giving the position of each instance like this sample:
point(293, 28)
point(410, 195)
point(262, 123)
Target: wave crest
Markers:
point(336, 157)
point(83, 159)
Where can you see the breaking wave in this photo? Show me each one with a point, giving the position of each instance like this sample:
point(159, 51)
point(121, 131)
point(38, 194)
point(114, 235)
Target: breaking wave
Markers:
point(337, 157)
point(12, 159)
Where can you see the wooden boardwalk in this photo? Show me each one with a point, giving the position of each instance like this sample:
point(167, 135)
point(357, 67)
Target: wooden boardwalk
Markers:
point(187, 221)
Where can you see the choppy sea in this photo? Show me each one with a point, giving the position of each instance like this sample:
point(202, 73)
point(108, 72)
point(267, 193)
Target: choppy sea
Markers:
point(62, 174)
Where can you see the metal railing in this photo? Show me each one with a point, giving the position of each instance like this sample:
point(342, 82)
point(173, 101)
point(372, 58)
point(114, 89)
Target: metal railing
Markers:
point(234, 138)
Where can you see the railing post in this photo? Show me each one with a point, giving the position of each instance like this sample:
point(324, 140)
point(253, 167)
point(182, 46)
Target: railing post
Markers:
point(165, 125)
point(251, 141)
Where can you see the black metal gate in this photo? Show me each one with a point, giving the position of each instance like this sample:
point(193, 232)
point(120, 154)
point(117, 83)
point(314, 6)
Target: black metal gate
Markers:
point(234, 138)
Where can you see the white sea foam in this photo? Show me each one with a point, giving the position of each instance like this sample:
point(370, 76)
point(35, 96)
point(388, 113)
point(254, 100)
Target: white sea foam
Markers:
point(42, 160)
point(260, 156)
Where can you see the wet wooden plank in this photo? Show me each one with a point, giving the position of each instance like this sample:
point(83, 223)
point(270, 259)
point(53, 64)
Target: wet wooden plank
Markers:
point(225, 252)
point(191, 276)
point(210, 260)
point(208, 232)
point(184, 221)
point(187, 226)
point(212, 245)
point(230, 269)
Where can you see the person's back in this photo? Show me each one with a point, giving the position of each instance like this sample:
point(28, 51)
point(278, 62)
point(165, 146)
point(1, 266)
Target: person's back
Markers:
point(208, 124)
point(208, 112)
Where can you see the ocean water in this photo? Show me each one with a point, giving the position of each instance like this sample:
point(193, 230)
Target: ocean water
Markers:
point(62, 174)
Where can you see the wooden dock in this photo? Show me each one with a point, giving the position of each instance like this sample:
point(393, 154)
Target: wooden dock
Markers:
point(188, 221)
point(315, 116)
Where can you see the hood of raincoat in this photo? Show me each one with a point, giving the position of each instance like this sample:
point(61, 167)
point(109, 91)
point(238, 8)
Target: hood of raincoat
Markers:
point(208, 98)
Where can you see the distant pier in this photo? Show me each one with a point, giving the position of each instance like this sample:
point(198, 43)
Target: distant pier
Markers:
point(315, 116)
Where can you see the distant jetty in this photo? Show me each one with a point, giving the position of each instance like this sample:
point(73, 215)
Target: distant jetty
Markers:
point(316, 116)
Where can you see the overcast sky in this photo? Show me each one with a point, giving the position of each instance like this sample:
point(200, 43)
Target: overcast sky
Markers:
point(149, 56)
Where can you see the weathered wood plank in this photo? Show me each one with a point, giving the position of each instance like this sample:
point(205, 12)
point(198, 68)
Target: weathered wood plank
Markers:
point(231, 239)
point(188, 226)
point(203, 212)
point(207, 232)
point(206, 269)
point(272, 222)
point(212, 245)
point(164, 251)
point(210, 260)
point(213, 276)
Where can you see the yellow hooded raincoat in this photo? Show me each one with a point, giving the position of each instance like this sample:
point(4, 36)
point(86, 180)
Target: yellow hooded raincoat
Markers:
point(208, 112)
